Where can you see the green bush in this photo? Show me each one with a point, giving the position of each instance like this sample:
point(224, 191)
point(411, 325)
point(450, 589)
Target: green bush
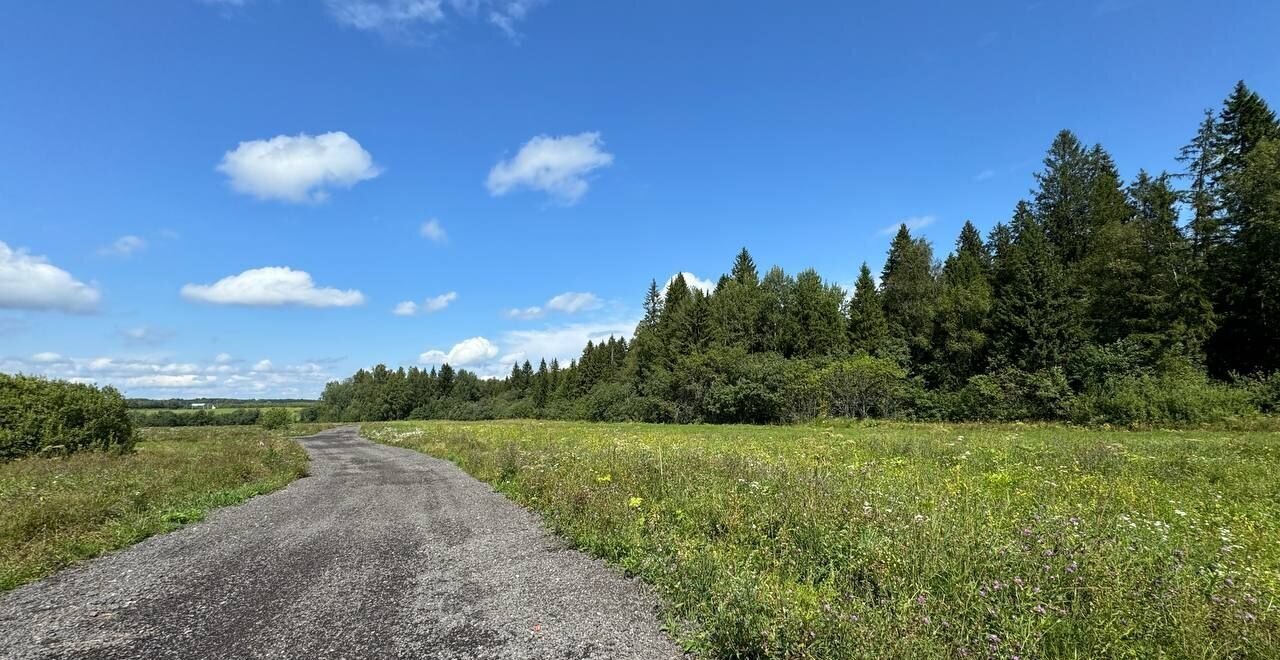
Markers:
point(275, 418)
point(58, 417)
point(1183, 397)
point(864, 386)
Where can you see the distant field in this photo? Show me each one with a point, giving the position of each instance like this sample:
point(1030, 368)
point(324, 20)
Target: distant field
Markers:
point(897, 540)
point(60, 510)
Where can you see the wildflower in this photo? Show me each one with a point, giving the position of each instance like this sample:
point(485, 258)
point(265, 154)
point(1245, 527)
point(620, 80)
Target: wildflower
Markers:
point(993, 638)
point(1017, 581)
point(1071, 568)
point(604, 478)
point(1180, 512)
point(920, 599)
point(1038, 609)
point(635, 502)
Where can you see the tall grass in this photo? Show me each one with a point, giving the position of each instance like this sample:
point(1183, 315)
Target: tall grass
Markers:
point(60, 510)
point(894, 540)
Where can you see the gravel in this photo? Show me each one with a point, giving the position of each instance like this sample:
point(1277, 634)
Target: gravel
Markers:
point(382, 553)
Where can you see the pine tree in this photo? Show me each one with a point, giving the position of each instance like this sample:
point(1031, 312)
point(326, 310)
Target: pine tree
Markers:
point(1201, 160)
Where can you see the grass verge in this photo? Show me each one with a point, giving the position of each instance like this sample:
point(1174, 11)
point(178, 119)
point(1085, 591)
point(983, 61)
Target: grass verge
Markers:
point(57, 511)
point(896, 540)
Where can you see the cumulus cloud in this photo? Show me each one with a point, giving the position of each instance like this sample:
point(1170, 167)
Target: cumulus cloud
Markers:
point(31, 282)
point(271, 286)
point(297, 168)
point(428, 306)
point(913, 223)
point(46, 357)
point(694, 282)
point(475, 350)
point(125, 246)
point(432, 230)
point(557, 166)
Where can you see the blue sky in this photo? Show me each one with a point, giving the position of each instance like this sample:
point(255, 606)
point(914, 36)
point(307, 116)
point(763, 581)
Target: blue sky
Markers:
point(236, 197)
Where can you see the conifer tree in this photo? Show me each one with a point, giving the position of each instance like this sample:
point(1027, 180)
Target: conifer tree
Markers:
point(1063, 195)
point(908, 293)
point(964, 307)
point(1035, 317)
point(868, 330)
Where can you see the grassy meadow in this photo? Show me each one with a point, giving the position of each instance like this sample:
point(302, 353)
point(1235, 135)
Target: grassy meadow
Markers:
point(898, 540)
point(61, 510)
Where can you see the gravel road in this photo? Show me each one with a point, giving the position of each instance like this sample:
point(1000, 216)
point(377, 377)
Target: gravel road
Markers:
point(381, 553)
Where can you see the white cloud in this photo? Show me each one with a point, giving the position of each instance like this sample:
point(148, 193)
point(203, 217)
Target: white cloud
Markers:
point(913, 223)
point(403, 17)
point(507, 14)
point(171, 381)
point(30, 282)
point(569, 302)
point(428, 306)
point(125, 246)
point(164, 378)
point(271, 286)
point(984, 175)
point(525, 313)
point(297, 168)
point(572, 302)
point(464, 353)
point(555, 165)
point(565, 342)
point(694, 282)
point(432, 230)
point(147, 335)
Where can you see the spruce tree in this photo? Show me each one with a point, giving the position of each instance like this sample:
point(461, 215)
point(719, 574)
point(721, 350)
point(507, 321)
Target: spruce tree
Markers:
point(744, 269)
point(1063, 196)
point(964, 307)
point(1035, 317)
point(908, 294)
point(868, 330)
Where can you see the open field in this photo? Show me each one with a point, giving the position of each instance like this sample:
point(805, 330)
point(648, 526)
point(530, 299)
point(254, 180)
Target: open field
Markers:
point(60, 510)
point(895, 540)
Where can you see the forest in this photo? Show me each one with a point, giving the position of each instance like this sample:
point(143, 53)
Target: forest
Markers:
point(1148, 302)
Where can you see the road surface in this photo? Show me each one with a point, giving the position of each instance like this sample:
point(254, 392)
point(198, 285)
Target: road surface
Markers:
point(382, 553)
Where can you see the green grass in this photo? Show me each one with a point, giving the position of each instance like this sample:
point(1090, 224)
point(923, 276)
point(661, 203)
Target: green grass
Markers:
point(57, 511)
point(895, 540)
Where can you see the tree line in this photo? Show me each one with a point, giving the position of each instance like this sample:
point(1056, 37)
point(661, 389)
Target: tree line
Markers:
point(1155, 300)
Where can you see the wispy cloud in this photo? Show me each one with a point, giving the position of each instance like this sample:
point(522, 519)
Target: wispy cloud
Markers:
point(432, 230)
point(401, 19)
point(913, 223)
point(125, 246)
point(428, 306)
point(984, 175)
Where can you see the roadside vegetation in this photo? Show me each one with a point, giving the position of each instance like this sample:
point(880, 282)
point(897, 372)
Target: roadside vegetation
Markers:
point(874, 539)
point(59, 510)
point(1148, 303)
point(52, 418)
point(229, 416)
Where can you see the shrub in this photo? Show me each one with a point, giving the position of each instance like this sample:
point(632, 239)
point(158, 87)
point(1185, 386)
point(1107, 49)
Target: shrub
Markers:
point(1183, 397)
point(275, 418)
point(864, 386)
point(47, 416)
